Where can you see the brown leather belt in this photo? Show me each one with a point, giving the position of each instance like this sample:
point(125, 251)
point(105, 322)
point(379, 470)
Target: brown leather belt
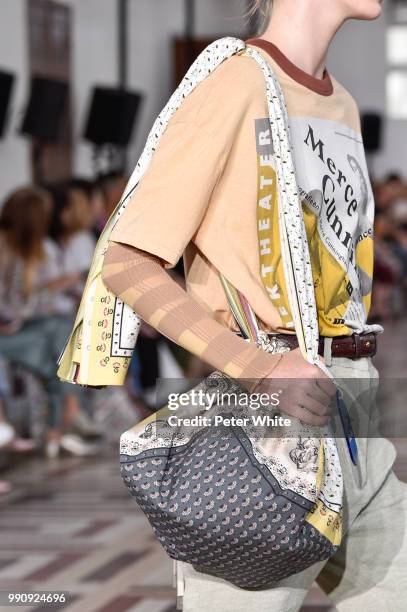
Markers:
point(352, 347)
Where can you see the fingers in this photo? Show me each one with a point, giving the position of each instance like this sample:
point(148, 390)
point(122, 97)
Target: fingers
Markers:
point(304, 415)
point(310, 386)
point(318, 408)
point(327, 385)
point(307, 402)
point(322, 395)
point(308, 398)
point(319, 395)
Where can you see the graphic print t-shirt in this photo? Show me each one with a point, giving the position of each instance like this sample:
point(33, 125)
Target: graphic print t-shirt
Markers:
point(337, 204)
point(213, 173)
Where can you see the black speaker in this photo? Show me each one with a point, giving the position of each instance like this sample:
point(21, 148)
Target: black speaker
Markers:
point(112, 116)
point(45, 109)
point(6, 87)
point(372, 124)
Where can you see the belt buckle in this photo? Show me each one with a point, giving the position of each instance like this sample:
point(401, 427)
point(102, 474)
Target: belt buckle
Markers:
point(358, 341)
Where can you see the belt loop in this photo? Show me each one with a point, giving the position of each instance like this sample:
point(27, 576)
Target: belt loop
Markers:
point(328, 351)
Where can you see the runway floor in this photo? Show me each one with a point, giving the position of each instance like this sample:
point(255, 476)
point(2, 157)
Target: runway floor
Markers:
point(70, 526)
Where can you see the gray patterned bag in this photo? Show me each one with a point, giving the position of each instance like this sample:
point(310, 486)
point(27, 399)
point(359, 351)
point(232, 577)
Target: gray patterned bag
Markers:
point(241, 505)
point(230, 499)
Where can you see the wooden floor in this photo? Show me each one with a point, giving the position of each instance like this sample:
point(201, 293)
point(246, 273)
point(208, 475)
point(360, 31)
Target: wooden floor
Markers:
point(70, 525)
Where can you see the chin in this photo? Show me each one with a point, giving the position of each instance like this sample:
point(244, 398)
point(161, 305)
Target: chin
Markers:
point(366, 9)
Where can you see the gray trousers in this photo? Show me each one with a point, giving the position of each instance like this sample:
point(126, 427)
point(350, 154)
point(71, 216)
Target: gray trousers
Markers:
point(36, 347)
point(369, 572)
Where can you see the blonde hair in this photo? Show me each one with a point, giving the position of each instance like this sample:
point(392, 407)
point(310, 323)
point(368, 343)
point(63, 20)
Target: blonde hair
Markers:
point(261, 9)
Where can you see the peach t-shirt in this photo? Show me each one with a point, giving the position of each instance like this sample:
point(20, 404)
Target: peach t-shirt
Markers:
point(200, 193)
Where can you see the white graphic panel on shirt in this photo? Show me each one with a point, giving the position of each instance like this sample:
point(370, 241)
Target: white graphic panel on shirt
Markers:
point(338, 213)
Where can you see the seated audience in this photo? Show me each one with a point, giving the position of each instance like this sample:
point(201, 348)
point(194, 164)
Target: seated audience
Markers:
point(70, 230)
point(31, 333)
point(95, 196)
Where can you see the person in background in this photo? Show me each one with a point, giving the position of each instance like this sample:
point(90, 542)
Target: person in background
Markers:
point(70, 229)
point(112, 185)
point(388, 268)
point(31, 335)
point(388, 191)
point(9, 440)
point(93, 192)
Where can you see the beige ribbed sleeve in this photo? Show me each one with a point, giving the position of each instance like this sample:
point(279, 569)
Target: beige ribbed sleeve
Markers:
point(140, 280)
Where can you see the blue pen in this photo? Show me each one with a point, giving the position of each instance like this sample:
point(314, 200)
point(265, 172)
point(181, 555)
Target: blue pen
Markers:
point(347, 428)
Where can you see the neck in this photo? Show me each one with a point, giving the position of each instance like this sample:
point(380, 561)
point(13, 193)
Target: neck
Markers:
point(303, 32)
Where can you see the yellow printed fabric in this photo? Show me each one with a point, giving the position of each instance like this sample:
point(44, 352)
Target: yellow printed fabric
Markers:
point(99, 350)
point(325, 519)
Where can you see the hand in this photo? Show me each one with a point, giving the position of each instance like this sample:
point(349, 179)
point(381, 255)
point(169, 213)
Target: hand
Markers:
point(308, 397)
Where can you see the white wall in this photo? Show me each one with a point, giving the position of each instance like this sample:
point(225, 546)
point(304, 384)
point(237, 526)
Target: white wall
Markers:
point(14, 149)
point(94, 62)
point(153, 25)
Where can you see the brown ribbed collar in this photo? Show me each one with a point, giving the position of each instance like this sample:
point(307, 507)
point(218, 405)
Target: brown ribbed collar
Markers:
point(323, 86)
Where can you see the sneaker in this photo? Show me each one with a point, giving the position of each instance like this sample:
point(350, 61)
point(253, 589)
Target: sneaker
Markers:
point(84, 426)
point(52, 449)
point(79, 447)
point(7, 434)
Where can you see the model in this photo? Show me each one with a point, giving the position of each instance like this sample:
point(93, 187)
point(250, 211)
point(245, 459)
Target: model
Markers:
point(203, 197)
